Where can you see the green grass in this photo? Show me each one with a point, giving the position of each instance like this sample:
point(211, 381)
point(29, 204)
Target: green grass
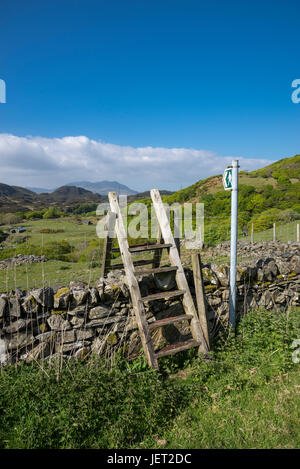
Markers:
point(49, 273)
point(74, 232)
point(86, 248)
point(284, 232)
point(246, 396)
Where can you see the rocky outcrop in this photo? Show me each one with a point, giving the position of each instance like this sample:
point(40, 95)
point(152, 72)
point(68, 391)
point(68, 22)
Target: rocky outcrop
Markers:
point(257, 250)
point(78, 320)
point(21, 259)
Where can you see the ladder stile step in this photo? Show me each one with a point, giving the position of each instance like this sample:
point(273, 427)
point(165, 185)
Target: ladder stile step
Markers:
point(156, 270)
point(135, 263)
point(175, 348)
point(163, 295)
point(170, 320)
point(148, 247)
point(144, 247)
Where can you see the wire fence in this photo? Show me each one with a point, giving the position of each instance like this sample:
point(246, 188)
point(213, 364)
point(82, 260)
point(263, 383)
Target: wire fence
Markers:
point(57, 252)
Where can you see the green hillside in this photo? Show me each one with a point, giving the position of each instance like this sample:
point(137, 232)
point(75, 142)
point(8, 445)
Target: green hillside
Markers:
point(267, 195)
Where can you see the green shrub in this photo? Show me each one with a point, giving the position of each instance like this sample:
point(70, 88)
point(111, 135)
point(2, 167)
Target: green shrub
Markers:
point(58, 250)
point(10, 219)
point(35, 214)
point(52, 213)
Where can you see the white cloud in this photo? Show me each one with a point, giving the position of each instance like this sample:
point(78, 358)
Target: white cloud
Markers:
point(51, 162)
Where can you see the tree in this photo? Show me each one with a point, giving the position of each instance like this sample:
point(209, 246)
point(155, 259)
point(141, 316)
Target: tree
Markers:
point(52, 212)
point(10, 219)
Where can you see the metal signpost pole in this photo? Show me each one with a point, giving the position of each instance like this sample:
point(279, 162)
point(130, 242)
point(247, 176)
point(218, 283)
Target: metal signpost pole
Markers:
point(233, 243)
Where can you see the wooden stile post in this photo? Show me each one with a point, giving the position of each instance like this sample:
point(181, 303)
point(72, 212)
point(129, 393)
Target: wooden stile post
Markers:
point(177, 222)
point(201, 304)
point(108, 242)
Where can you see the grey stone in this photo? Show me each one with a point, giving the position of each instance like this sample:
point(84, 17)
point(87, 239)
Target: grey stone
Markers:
point(44, 296)
point(58, 323)
point(209, 277)
point(31, 306)
point(62, 298)
point(4, 357)
point(79, 310)
point(77, 322)
point(46, 336)
point(99, 312)
point(65, 337)
point(78, 284)
point(20, 340)
point(3, 307)
point(105, 321)
point(16, 326)
point(94, 296)
point(222, 274)
point(79, 296)
point(14, 308)
point(64, 348)
point(84, 334)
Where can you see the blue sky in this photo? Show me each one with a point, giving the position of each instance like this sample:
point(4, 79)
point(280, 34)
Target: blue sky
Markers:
point(132, 82)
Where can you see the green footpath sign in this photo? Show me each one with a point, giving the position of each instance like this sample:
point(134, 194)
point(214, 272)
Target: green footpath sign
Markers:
point(227, 179)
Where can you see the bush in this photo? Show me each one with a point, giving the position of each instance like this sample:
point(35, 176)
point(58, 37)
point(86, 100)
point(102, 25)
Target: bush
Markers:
point(52, 213)
point(49, 230)
point(10, 219)
point(58, 250)
point(296, 208)
point(34, 214)
point(288, 215)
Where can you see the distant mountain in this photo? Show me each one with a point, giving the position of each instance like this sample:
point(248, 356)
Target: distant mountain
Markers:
point(18, 199)
point(104, 187)
point(39, 190)
point(71, 195)
point(15, 198)
point(146, 195)
point(14, 191)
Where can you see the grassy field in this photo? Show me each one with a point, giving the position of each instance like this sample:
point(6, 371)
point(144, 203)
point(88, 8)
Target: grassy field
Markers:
point(284, 233)
point(83, 261)
point(73, 230)
point(246, 396)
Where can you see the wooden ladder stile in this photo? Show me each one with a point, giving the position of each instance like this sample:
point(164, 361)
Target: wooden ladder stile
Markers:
point(132, 282)
point(182, 283)
point(165, 240)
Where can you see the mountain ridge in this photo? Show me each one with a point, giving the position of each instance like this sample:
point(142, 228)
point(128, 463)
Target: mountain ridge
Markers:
point(100, 187)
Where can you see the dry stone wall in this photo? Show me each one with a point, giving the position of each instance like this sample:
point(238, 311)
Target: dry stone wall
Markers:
point(78, 320)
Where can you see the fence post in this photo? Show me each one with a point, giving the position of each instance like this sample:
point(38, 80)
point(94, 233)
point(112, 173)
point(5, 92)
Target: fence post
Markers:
point(274, 232)
point(252, 237)
point(298, 233)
